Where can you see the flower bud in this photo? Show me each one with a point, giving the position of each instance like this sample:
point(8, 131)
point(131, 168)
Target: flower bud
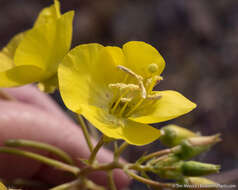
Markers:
point(171, 171)
point(193, 168)
point(168, 168)
point(173, 135)
point(194, 146)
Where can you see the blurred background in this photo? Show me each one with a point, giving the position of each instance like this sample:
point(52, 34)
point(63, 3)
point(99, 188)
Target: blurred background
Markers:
point(198, 40)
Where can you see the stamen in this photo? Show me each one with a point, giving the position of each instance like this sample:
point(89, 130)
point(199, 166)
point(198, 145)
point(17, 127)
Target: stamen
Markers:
point(129, 72)
point(143, 90)
point(123, 86)
point(118, 101)
point(151, 82)
point(135, 107)
point(154, 96)
point(123, 109)
point(138, 77)
point(126, 99)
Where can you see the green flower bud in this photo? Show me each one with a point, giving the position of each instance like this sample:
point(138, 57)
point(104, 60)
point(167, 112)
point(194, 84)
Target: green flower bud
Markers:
point(173, 135)
point(170, 171)
point(169, 167)
point(193, 168)
point(194, 146)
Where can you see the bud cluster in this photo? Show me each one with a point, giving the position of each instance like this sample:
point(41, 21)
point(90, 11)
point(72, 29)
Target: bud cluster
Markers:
point(184, 145)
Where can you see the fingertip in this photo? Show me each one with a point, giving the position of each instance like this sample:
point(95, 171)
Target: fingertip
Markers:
point(122, 180)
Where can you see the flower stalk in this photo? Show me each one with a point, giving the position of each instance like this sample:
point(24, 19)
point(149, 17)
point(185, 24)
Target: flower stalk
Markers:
point(42, 146)
point(85, 132)
point(92, 157)
point(48, 161)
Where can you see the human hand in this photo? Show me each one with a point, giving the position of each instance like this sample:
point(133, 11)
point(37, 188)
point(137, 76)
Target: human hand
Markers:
point(35, 117)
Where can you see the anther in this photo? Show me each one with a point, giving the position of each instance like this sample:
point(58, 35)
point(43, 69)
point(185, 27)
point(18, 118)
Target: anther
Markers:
point(123, 86)
point(143, 90)
point(154, 97)
point(126, 99)
point(128, 71)
point(138, 77)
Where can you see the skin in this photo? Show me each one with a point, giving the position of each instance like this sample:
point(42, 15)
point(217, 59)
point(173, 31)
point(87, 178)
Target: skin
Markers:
point(36, 117)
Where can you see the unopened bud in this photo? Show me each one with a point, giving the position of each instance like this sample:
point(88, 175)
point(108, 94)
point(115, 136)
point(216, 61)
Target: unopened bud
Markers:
point(204, 140)
point(173, 135)
point(196, 145)
point(193, 168)
point(169, 167)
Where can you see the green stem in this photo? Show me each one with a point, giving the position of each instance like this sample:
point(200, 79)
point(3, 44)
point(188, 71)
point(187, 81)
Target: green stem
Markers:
point(148, 181)
point(111, 181)
point(48, 161)
point(43, 146)
point(95, 150)
point(155, 154)
point(118, 152)
point(85, 132)
point(67, 186)
point(102, 167)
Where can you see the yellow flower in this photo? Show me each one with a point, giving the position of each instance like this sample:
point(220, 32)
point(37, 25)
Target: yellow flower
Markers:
point(113, 89)
point(34, 55)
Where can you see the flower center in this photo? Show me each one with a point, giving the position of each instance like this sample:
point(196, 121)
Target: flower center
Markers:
point(129, 97)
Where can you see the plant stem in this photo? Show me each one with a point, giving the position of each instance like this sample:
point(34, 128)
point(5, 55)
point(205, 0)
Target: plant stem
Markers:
point(43, 146)
point(155, 154)
point(66, 186)
point(117, 152)
point(57, 164)
point(148, 181)
point(111, 180)
point(95, 150)
point(85, 132)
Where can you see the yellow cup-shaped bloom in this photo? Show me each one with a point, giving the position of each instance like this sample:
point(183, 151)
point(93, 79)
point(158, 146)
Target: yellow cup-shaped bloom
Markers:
point(34, 55)
point(112, 87)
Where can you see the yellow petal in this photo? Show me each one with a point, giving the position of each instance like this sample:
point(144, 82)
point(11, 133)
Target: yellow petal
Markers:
point(119, 128)
point(171, 105)
point(7, 53)
point(37, 55)
point(84, 76)
point(20, 75)
point(139, 55)
point(45, 46)
point(48, 14)
point(75, 79)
